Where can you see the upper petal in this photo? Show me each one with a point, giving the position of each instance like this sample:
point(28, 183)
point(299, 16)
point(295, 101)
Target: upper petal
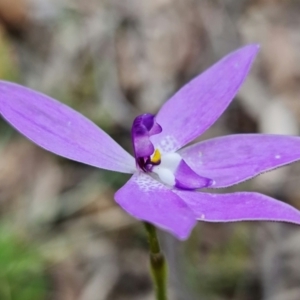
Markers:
point(146, 199)
point(195, 107)
point(232, 159)
point(243, 206)
point(61, 130)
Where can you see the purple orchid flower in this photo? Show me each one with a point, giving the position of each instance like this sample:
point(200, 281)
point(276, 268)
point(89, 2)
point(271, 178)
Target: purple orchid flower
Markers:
point(164, 188)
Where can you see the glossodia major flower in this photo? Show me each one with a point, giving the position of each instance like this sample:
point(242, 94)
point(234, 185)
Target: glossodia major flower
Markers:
point(165, 188)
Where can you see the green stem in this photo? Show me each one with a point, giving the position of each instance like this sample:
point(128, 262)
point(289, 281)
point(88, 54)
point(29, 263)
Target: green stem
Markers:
point(158, 264)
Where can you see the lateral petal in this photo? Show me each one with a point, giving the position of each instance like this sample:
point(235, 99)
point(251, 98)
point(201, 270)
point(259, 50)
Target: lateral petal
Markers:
point(147, 199)
point(196, 106)
point(232, 159)
point(60, 129)
point(241, 206)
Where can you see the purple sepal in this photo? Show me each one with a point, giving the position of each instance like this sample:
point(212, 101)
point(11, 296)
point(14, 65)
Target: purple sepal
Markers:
point(60, 129)
point(143, 127)
point(235, 158)
point(197, 105)
point(240, 206)
point(187, 179)
point(149, 200)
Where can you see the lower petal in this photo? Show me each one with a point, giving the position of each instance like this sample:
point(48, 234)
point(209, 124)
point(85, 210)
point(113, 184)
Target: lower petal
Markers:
point(241, 206)
point(147, 199)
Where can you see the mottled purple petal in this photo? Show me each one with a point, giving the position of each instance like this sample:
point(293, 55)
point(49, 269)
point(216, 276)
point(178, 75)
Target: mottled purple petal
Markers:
point(61, 130)
point(187, 179)
point(146, 199)
point(232, 159)
point(242, 206)
point(195, 107)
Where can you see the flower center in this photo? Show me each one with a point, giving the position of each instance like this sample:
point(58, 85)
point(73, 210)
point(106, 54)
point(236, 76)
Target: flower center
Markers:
point(169, 167)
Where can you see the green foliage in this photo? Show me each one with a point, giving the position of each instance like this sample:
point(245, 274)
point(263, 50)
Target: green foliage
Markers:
point(21, 270)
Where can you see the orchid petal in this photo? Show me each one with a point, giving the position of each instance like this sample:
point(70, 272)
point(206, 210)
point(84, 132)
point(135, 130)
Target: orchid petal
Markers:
point(241, 206)
point(232, 159)
point(61, 130)
point(195, 107)
point(147, 199)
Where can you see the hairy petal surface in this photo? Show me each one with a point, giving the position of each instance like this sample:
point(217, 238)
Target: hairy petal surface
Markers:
point(60, 129)
point(241, 206)
point(195, 107)
point(147, 199)
point(232, 159)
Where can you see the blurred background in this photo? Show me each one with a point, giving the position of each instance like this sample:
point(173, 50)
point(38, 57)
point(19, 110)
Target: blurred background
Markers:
point(62, 237)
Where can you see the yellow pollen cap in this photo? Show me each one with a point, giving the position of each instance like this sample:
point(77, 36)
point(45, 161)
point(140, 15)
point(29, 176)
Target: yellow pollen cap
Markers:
point(156, 156)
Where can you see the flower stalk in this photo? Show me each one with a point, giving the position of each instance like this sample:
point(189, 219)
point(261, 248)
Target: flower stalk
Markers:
point(158, 263)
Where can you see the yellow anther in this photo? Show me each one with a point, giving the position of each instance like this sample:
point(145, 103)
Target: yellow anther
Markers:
point(156, 157)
